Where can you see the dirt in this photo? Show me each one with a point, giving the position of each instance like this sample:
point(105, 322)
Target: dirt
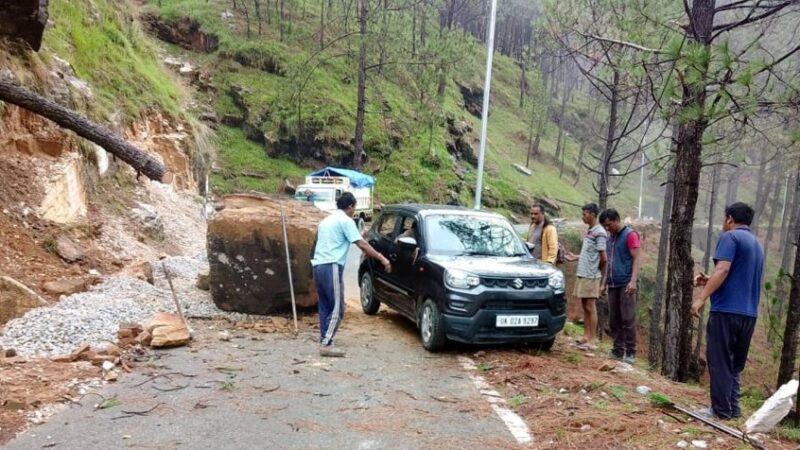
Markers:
point(563, 392)
point(27, 385)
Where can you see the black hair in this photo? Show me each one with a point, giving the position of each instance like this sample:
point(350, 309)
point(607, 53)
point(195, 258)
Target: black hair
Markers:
point(541, 208)
point(346, 200)
point(591, 208)
point(741, 213)
point(609, 214)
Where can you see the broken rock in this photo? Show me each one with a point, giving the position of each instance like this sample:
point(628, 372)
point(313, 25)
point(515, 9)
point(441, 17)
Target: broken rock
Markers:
point(68, 250)
point(141, 270)
point(66, 286)
point(16, 299)
point(202, 281)
point(168, 330)
point(247, 257)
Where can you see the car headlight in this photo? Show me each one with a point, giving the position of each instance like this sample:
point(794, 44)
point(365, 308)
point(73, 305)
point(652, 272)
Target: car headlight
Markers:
point(461, 280)
point(556, 281)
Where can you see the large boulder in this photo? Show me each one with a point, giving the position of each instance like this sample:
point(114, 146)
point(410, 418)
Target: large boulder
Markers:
point(247, 257)
point(16, 299)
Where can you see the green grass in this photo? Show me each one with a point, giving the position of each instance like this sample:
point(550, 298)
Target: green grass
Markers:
point(108, 49)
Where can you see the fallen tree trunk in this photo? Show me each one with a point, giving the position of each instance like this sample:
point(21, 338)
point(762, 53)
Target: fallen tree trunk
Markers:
point(102, 136)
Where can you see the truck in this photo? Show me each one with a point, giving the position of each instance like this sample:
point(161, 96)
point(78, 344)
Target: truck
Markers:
point(323, 187)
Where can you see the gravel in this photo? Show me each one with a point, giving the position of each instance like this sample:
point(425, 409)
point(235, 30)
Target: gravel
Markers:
point(93, 317)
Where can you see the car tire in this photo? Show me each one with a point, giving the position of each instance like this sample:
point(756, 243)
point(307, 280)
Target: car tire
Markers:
point(545, 346)
point(431, 327)
point(369, 303)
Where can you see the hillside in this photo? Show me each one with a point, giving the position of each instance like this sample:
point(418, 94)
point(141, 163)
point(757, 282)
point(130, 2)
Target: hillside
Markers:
point(284, 106)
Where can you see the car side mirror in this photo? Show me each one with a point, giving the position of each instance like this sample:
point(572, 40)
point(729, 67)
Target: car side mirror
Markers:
point(530, 246)
point(407, 243)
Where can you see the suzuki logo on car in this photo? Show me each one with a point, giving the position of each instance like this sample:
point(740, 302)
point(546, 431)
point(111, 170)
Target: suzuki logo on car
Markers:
point(517, 283)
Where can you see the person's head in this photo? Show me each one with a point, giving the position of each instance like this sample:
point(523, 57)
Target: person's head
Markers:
point(609, 219)
point(589, 213)
point(537, 214)
point(347, 203)
point(737, 214)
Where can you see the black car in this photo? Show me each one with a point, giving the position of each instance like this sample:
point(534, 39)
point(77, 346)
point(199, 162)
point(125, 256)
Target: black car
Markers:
point(461, 275)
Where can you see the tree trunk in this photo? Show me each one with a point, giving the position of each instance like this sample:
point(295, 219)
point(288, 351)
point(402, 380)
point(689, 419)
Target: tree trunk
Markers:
point(761, 186)
point(791, 227)
point(579, 165)
point(605, 162)
point(523, 84)
point(322, 25)
point(712, 204)
point(678, 323)
point(561, 122)
point(789, 350)
point(773, 213)
point(654, 347)
point(733, 185)
point(414, 30)
point(283, 19)
point(358, 142)
point(140, 161)
point(257, 8)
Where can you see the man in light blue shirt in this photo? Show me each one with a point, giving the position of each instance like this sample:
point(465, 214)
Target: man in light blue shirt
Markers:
point(334, 236)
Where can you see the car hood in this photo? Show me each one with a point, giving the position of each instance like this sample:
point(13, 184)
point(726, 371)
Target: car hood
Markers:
point(495, 266)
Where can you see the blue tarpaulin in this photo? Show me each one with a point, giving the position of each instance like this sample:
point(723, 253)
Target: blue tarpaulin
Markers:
point(357, 179)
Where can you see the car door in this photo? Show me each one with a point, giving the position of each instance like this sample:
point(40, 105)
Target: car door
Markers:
point(405, 268)
point(382, 240)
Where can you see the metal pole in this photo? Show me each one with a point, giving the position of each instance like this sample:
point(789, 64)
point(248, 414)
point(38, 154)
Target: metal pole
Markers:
point(485, 110)
point(288, 266)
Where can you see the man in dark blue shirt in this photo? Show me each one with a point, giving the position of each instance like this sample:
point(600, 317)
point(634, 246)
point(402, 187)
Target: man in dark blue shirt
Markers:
point(734, 288)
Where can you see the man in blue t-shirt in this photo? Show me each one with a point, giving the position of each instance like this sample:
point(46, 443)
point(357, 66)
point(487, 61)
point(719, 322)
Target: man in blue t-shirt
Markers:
point(734, 288)
point(334, 236)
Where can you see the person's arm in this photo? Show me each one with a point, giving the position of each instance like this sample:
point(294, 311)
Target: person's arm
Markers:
point(552, 245)
point(632, 285)
point(351, 231)
point(603, 274)
point(633, 247)
point(372, 253)
point(718, 276)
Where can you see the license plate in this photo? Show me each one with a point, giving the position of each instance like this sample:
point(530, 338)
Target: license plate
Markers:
point(517, 321)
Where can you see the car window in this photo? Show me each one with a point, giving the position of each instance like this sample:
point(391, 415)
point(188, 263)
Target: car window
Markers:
point(406, 229)
point(471, 235)
point(387, 226)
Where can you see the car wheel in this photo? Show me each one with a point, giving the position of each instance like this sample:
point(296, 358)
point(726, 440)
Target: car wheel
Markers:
point(369, 303)
point(545, 346)
point(431, 327)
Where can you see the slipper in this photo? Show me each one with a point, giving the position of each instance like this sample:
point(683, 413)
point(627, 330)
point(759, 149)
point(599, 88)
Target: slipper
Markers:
point(580, 341)
point(587, 347)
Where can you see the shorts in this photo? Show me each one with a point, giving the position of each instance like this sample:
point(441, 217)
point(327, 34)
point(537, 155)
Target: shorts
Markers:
point(587, 287)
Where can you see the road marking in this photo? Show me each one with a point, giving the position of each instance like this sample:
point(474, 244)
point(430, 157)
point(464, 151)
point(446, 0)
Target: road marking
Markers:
point(517, 426)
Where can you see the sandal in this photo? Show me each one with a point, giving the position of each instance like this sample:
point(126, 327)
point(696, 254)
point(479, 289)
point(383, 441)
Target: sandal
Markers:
point(587, 347)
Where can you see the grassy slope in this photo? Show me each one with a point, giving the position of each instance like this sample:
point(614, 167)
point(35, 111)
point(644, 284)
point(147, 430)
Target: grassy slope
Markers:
point(329, 103)
point(109, 50)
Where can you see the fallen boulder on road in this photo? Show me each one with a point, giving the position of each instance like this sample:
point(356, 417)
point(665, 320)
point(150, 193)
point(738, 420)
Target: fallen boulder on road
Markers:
point(247, 258)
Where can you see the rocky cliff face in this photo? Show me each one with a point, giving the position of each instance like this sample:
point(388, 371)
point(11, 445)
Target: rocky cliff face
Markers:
point(24, 20)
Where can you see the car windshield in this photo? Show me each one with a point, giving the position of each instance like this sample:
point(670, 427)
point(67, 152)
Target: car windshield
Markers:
point(320, 195)
point(472, 235)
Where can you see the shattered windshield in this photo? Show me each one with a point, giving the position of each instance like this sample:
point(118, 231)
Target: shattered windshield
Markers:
point(472, 235)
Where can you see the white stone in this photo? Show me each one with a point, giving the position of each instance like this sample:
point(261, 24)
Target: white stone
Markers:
point(699, 444)
point(644, 390)
point(682, 444)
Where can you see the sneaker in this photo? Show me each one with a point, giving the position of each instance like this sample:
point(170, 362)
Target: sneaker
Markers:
point(707, 413)
point(612, 355)
point(629, 359)
point(331, 351)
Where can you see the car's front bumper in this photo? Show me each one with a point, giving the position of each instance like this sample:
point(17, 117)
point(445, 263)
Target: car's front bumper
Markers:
point(480, 326)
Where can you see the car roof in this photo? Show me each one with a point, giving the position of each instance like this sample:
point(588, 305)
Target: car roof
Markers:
point(431, 209)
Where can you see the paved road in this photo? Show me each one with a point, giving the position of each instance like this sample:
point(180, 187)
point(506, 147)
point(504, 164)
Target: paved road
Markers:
point(273, 391)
